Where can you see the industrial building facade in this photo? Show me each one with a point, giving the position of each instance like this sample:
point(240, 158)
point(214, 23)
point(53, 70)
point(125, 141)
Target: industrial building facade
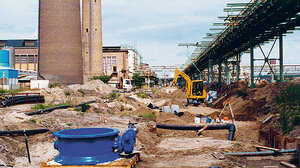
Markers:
point(26, 53)
point(116, 60)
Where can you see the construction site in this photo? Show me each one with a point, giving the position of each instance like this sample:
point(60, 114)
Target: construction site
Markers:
point(103, 106)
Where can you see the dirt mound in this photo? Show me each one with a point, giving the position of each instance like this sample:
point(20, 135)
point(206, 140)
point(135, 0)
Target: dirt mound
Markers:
point(296, 80)
point(147, 138)
point(247, 104)
point(94, 85)
point(166, 93)
point(170, 118)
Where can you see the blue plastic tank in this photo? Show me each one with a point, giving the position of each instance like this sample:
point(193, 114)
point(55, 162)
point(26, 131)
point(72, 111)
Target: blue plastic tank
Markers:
point(4, 58)
point(86, 146)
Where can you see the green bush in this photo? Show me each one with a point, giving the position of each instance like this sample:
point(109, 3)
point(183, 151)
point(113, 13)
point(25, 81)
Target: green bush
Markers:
point(53, 85)
point(289, 108)
point(2, 91)
point(104, 79)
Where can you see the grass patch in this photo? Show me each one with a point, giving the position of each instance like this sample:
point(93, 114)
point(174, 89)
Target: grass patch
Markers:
point(153, 91)
point(32, 120)
point(53, 85)
point(150, 116)
point(142, 95)
point(2, 91)
point(40, 106)
point(67, 93)
point(69, 124)
point(81, 92)
point(112, 95)
point(289, 108)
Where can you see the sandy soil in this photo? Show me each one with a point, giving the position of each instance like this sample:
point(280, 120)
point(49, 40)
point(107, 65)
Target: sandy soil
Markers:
point(159, 148)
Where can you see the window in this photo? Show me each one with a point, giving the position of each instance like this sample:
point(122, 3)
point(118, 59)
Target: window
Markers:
point(114, 61)
point(108, 63)
point(104, 63)
point(3, 81)
point(23, 58)
point(17, 58)
point(30, 58)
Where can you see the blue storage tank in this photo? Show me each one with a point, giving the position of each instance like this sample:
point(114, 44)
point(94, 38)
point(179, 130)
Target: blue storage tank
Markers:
point(4, 58)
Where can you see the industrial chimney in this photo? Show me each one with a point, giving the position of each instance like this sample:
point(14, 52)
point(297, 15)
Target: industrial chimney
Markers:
point(92, 39)
point(60, 51)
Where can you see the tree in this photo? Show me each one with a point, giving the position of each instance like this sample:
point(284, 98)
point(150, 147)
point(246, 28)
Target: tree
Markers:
point(138, 80)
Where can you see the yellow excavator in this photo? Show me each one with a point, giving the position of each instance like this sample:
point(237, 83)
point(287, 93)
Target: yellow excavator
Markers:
point(194, 89)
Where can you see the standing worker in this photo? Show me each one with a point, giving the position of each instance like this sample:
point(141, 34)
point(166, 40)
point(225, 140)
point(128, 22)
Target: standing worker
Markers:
point(209, 99)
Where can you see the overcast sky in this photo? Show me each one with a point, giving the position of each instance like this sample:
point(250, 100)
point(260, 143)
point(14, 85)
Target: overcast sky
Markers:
point(155, 26)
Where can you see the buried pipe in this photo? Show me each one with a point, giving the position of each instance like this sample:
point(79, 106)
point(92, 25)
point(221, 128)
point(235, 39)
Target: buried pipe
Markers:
point(261, 153)
point(47, 110)
point(229, 127)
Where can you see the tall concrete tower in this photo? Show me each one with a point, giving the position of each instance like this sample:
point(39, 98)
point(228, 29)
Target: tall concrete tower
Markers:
point(60, 51)
point(92, 39)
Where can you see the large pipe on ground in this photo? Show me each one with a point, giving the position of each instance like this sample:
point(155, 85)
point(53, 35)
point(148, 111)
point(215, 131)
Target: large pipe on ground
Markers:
point(229, 127)
point(22, 132)
point(47, 110)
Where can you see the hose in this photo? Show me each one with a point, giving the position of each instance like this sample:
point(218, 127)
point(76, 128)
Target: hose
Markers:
point(47, 110)
point(22, 132)
point(229, 127)
point(88, 102)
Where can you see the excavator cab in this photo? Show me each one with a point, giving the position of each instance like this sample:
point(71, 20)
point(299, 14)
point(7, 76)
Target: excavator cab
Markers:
point(197, 89)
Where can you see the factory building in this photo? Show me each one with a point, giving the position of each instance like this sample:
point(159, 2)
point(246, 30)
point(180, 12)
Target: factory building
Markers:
point(8, 75)
point(60, 57)
point(26, 53)
point(91, 39)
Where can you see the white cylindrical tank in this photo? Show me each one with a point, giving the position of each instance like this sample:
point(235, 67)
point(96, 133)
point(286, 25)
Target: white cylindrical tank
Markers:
point(11, 56)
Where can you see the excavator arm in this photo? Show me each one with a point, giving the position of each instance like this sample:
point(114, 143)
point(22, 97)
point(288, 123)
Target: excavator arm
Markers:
point(187, 78)
point(184, 75)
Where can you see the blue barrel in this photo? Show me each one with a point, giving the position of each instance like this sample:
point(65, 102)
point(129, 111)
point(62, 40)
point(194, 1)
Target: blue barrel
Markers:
point(86, 146)
point(4, 58)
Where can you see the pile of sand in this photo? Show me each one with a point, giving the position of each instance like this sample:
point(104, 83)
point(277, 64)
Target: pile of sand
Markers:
point(164, 93)
point(94, 85)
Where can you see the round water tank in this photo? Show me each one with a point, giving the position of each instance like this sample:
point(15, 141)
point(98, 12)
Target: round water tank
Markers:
point(60, 57)
point(4, 58)
point(11, 56)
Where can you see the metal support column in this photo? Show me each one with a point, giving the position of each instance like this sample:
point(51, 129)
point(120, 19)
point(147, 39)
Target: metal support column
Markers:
point(238, 67)
point(281, 57)
point(211, 70)
point(252, 62)
point(220, 74)
point(227, 72)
